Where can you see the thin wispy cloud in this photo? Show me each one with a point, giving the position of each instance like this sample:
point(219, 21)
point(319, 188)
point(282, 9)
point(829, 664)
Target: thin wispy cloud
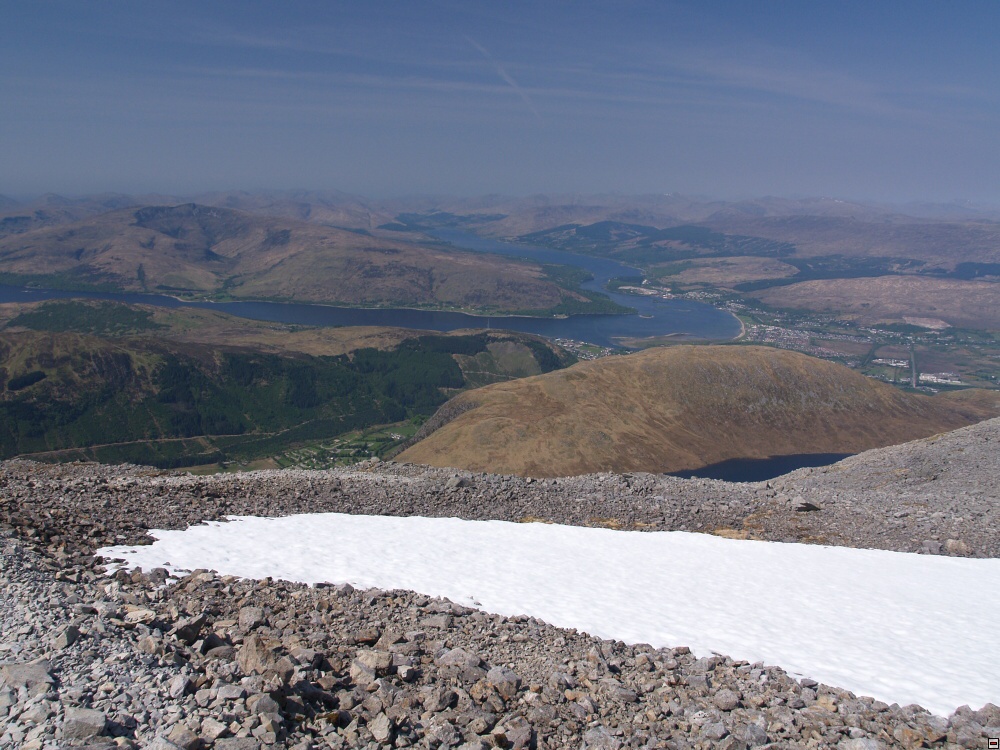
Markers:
point(645, 95)
point(501, 71)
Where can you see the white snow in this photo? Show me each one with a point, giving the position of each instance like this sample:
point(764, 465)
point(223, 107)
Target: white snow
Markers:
point(899, 627)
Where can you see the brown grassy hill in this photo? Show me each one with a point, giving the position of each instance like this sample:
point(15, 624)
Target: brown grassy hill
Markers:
point(330, 207)
point(892, 299)
point(666, 410)
point(194, 249)
point(939, 243)
point(52, 210)
point(977, 399)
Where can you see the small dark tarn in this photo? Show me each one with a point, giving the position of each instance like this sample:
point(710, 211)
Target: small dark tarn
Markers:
point(760, 469)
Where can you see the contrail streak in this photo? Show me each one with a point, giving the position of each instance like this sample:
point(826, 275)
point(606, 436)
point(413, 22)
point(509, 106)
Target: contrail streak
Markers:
point(504, 75)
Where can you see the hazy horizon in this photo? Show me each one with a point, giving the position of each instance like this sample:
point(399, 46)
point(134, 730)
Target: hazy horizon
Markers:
point(151, 197)
point(890, 102)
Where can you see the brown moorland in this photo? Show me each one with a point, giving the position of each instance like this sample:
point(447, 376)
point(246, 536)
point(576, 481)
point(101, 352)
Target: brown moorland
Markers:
point(892, 299)
point(672, 409)
point(508, 355)
point(207, 251)
point(726, 272)
point(940, 244)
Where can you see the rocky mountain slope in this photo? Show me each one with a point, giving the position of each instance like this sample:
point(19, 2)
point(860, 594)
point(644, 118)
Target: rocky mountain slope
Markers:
point(103, 661)
point(679, 408)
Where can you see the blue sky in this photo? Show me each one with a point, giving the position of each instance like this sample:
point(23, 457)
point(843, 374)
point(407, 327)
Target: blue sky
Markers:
point(881, 100)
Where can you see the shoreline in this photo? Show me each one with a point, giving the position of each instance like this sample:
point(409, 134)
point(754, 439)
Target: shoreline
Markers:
point(474, 318)
point(189, 301)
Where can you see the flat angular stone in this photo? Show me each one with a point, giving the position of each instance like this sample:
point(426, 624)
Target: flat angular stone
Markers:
point(184, 738)
point(599, 738)
point(232, 692)
point(382, 729)
point(259, 656)
point(66, 638)
point(179, 686)
point(162, 743)
point(33, 676)
point(263, 704)
point(82, 723)
point(250, 618)
point(458, 657)
point(237, 743)
point(505, 681)
point(862, 743)
point(211, 729)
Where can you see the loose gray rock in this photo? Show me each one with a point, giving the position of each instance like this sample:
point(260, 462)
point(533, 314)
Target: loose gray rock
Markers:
point(162, 743)
point(861, 744)
point(237, 743)
point(250, 618)
point(726, 700)
point(505, 681)
point(33, 677)
point(82, 723)
point(66, 638)
point(322, 664)
point(179, 686)
point(599, 738)
point(382, 729)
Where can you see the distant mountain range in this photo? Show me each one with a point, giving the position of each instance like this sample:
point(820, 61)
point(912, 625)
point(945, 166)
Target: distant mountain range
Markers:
point(204, 251)
point(519, 215)
point(331, 246)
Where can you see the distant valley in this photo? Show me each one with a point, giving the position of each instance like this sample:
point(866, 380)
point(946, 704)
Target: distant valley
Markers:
point(339, 248)
point(908, 299)
point(744, 250)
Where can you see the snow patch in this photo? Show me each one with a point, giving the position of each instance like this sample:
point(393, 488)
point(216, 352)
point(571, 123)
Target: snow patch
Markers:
point(899, 627)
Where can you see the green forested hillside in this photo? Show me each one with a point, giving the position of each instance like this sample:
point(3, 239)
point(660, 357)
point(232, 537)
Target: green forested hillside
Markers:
point(176, 403)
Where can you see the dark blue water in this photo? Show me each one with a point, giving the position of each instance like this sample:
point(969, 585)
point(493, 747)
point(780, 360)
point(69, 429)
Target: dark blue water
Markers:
point(760, 469)
point(654, 317)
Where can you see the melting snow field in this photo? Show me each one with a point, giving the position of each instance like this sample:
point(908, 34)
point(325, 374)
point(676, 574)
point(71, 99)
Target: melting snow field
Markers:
point(900, 627)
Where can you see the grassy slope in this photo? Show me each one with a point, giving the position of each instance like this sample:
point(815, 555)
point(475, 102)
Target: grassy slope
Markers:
point(205, 251)
point(942, 243)
point(968, 304)
point(680, 408)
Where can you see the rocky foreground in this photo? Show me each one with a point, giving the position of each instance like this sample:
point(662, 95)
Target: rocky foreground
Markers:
point(134, 660)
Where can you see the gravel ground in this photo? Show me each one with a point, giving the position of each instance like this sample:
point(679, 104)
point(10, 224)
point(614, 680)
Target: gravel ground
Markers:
point(133, 660)
point(126, 661)
point(938, 495)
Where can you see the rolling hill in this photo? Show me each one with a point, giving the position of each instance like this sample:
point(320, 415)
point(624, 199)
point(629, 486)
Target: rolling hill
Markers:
point(685, 407)
point(893, 300)
point(940, 244)
point(196, 250)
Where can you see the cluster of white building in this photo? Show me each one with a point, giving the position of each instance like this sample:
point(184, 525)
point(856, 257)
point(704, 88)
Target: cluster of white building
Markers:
point(941, 378)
